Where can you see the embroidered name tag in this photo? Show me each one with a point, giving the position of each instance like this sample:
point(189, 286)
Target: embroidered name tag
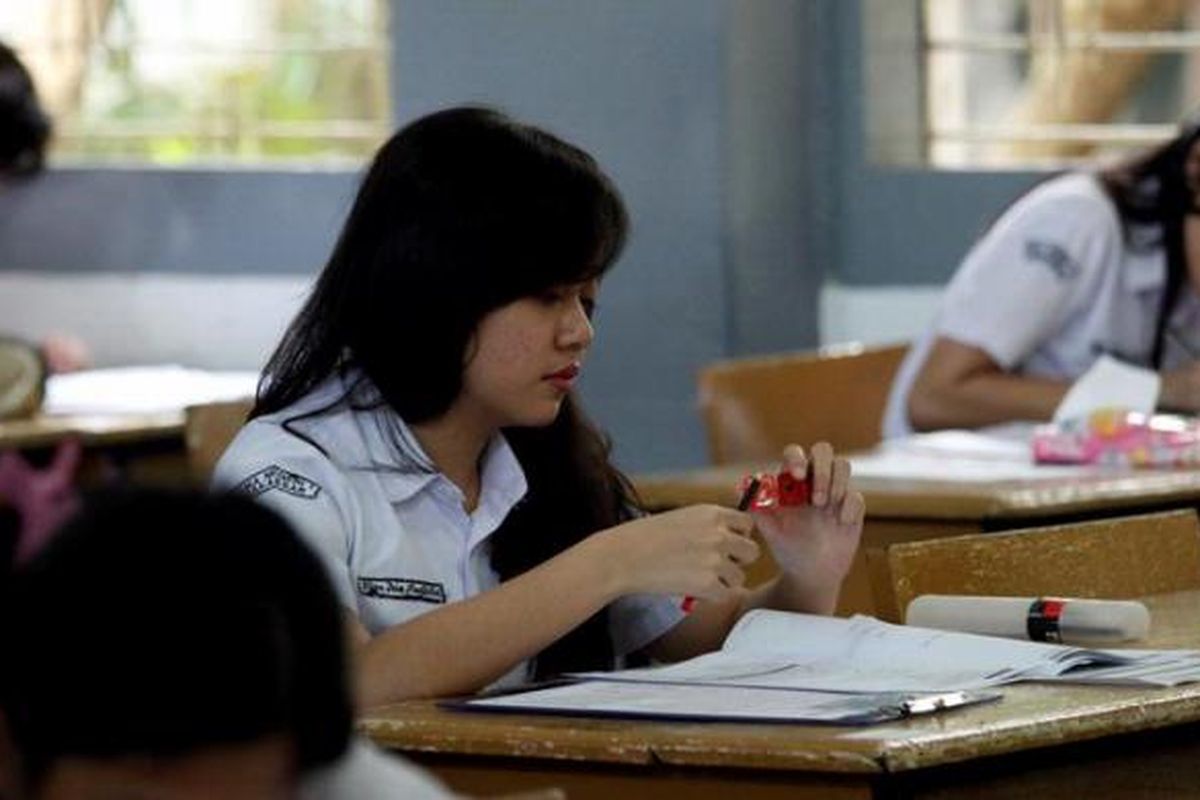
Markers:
point(1055, 257)
point(276, 477)
point(402, 589)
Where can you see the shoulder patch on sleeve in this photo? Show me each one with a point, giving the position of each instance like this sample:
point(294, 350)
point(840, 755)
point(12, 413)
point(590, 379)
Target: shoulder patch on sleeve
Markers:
point(276, 477)
point(1054, 256)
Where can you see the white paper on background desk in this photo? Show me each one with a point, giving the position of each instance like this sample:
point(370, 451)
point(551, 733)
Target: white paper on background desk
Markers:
point(142, 390)
point(960, 456)
point(1009, 442)
point(1110, 384)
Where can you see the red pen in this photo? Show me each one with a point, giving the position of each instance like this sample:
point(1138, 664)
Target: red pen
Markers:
point(744, 502)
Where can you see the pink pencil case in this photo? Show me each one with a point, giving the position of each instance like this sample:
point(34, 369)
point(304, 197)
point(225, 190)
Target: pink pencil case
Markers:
point(1119, 437)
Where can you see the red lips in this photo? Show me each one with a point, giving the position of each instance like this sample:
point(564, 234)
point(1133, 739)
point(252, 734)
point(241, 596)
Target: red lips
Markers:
point(567, 373)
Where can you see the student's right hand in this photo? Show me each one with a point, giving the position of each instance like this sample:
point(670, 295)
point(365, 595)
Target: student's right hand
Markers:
point(698, 551)
point(1180, 389)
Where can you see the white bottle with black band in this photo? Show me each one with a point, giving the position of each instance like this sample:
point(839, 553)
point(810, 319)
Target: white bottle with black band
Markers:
point(1042, 619)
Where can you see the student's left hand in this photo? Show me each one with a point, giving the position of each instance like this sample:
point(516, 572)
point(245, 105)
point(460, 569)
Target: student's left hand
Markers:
point(814, 544)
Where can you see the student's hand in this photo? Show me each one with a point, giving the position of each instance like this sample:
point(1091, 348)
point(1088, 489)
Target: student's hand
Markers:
point(1180, 389)
point(814, 544)
point(698, 551)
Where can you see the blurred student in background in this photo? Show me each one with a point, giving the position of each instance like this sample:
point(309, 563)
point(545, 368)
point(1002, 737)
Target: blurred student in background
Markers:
point(1084, 264)
point(25, 130)
point(32, 502)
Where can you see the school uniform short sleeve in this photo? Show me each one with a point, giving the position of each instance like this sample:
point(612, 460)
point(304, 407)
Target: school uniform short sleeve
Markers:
point(294, 479)
point(1052, 286)
point(391, 530)
point(1034, 271)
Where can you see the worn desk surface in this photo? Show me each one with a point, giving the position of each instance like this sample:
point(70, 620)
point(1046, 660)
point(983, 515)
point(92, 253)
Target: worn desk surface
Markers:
point(1064, 741)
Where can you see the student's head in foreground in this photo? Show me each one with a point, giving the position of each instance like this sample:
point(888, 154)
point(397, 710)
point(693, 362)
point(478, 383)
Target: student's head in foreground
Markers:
point(171, 645)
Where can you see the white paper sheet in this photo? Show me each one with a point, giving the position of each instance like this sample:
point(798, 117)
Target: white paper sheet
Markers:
point(143, 390)
point(1110, 384)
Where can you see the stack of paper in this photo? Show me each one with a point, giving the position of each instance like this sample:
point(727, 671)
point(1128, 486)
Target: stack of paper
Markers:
point(777, 666)
point(774, 649)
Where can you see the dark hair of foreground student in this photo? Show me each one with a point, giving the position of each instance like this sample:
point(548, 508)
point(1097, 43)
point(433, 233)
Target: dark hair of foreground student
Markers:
point(461, 213)
point(157, 625)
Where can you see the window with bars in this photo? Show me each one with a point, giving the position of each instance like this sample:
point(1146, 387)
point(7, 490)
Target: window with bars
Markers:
point(1053, 82)
point(195, 82)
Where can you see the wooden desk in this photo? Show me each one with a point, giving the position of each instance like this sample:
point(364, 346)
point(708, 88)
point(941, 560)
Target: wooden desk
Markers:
point(912, 508)
point(93, 431)
point(1039, 741)
point(142, 447)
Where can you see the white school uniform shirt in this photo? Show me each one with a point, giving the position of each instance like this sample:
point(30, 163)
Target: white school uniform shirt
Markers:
point(1052, 287)
point(364, 772)
point(391, 530)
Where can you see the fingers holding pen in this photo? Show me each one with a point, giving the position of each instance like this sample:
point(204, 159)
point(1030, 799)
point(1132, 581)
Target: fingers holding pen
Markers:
point(739, 522)
point(740, 549)
point(698, 550)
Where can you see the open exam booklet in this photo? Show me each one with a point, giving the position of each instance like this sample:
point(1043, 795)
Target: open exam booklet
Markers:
point(798, 667)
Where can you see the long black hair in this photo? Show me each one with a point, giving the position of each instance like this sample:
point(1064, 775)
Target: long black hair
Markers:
point(24, 126)
point(1152, 197)
point(460, 213)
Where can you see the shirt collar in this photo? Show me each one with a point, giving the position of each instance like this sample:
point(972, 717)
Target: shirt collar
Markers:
point(365, 434)
point(502, 482)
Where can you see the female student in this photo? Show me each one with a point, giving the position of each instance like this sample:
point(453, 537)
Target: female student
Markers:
point(418, 424)
point(1084, 264)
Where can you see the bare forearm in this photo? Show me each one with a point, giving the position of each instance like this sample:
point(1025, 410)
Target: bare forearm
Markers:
point(464, 646)
point(983, 399)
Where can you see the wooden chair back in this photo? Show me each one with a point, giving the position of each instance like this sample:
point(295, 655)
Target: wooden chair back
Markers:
point(752, 407)
point(208, 430)
point(1114, 558)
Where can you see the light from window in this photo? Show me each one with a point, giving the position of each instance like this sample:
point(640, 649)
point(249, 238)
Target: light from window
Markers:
point(1030, 82)
point(178, 82)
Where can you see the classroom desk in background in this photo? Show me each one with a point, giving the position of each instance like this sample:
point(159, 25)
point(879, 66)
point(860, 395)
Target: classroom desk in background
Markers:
point(1038, 741)
point(140, 448)
point(132, 421)
point(922, 507)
